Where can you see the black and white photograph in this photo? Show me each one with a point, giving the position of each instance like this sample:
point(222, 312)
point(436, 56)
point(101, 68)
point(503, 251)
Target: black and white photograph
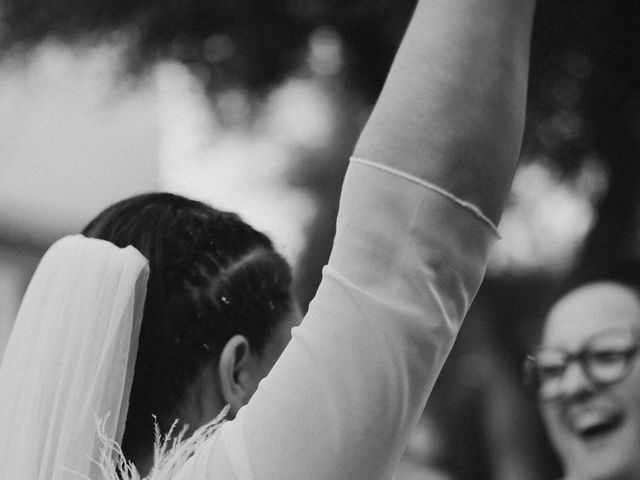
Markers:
point(319, 240)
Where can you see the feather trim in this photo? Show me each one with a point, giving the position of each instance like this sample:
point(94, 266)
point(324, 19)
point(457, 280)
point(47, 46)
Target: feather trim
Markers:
point(169, 453)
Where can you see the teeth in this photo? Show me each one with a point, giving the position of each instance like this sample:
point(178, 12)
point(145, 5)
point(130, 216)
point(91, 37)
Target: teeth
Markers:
point(590, 419)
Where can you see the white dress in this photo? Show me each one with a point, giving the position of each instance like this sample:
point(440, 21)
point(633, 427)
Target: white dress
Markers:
point(347, 391)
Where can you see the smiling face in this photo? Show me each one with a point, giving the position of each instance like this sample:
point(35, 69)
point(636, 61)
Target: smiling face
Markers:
point(595, 429)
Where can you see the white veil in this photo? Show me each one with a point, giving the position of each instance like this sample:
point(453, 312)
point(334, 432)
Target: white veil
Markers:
point(70, 359)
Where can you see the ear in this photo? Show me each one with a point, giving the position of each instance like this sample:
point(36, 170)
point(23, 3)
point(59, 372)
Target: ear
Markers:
point(234, 369)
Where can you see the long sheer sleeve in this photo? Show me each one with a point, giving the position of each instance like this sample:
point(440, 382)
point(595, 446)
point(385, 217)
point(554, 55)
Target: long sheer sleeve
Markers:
point(348, 389)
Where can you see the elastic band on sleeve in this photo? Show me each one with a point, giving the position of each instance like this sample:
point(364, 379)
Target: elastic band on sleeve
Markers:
point(474, 209)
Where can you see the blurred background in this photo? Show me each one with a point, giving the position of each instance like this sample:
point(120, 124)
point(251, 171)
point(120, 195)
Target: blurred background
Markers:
point(255, 106)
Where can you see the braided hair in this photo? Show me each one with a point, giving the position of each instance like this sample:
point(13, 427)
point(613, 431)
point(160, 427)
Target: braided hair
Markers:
point(212, 276)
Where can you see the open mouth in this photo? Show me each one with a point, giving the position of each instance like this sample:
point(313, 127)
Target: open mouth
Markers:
point(595, 424)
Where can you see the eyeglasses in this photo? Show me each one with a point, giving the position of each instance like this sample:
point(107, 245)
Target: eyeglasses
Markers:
point(605, 360)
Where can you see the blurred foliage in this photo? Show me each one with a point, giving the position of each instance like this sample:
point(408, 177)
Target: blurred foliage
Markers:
point(227, 43)
point(584, 99)
point(585, 69)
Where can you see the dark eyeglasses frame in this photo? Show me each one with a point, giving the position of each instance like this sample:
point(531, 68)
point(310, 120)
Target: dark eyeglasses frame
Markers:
point(581, 356)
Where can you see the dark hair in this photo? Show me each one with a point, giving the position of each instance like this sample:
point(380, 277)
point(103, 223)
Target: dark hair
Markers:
point(212, 276)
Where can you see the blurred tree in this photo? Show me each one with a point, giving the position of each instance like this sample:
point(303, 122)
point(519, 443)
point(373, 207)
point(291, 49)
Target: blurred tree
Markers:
point(585, 71)
point(584, 103)
point(251, 43)
point(248, 45)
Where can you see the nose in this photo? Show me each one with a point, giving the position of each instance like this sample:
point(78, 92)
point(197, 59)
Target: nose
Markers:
point(575, 381)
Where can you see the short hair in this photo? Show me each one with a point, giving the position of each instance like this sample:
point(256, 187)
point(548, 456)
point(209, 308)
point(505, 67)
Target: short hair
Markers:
point(212, 276)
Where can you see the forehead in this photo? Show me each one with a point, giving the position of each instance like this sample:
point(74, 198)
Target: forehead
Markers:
point(590, 310)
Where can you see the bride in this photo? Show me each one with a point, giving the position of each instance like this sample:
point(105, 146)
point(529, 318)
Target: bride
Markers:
point(177, 310)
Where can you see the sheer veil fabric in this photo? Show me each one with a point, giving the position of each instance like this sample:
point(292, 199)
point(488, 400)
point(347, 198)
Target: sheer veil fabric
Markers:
point(70, 359)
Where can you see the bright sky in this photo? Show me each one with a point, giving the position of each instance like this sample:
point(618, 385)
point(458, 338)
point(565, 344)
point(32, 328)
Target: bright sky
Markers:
point(74, 140)
point(70, 141)
point(237, 170)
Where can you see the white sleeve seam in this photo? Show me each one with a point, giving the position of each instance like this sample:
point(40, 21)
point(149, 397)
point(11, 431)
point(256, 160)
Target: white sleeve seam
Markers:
point(474, 209)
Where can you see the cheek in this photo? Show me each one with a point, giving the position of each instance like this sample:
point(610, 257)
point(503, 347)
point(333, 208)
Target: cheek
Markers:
point(271, 354)
point(551, 417)
point(550, 413)
point(629, 394)
point(633, 381)
point(274, 348)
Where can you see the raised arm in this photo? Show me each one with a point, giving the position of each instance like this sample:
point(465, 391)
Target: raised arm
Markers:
point(452, 109)
point(429, 176)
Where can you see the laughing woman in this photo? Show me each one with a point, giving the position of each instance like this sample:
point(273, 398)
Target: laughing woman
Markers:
point(588, 375)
